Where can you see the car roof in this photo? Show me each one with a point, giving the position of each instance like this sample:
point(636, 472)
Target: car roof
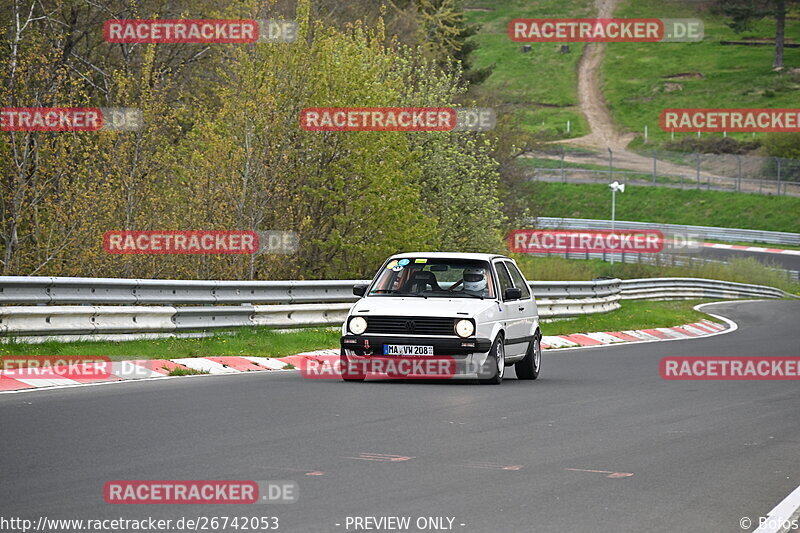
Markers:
point(449, 255)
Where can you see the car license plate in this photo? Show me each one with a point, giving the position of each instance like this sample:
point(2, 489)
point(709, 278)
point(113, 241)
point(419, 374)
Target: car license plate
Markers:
point(406, 349)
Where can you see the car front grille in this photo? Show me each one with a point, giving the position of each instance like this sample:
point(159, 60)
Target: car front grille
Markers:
point(413, 325)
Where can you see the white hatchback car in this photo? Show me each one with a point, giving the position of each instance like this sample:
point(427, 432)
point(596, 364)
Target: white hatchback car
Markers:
point(477, 309)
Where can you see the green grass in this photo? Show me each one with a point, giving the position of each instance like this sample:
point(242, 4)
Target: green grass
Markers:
point(747, 270)
point(539, 87)
point(264, 342)
point(733, 76)
point(665, 205)
point(246, 341)
point(631, 315)
point(633, 73)
point(186, 372)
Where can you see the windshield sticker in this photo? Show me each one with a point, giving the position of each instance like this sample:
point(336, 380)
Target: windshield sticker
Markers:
point(392, 264)
point(403, 262)
point(420, 260)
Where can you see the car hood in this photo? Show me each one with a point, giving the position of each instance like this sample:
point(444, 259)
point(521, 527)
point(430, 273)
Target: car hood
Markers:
point(417, 306)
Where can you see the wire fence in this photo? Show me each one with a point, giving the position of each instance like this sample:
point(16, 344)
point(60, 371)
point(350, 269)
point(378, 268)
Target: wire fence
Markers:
point(723, 172)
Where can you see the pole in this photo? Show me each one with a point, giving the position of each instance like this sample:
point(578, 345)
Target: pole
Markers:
point(610, 164)
point(738, 173)
point(698, 170)
point(654, 167)
point(613, 211)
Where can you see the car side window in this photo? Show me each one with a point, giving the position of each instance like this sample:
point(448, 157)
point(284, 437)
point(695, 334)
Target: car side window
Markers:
point(503, 278)
point(519, 280)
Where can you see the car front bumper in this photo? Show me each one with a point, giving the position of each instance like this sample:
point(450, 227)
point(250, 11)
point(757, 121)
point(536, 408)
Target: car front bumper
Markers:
point(370, 345)
point(468, 358)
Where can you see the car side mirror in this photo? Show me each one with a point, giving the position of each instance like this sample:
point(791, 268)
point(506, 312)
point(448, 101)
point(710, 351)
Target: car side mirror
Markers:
point(512, 293)
point(360, 290)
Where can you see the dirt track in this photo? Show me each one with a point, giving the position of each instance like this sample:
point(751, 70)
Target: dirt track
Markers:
point(604, 133)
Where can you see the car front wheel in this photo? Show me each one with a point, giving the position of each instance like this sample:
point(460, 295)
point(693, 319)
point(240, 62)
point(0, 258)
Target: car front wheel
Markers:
point(528, 368)
point(495, 363)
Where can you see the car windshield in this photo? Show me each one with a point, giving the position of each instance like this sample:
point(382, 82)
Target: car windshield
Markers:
point(435, 278)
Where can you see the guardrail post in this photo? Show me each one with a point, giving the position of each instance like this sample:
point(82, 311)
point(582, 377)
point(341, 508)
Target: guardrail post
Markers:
point(654, 167)
point(698, 170)
point(738, 173)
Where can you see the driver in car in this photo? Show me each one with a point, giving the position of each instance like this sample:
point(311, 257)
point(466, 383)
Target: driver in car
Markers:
point(474, 281)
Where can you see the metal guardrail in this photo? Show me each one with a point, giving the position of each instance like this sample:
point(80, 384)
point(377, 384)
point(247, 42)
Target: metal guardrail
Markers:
point(688, 288)
point(94, 291)
point(656, 259)
point(232, 304)
point(560, 299)
point(707, 232)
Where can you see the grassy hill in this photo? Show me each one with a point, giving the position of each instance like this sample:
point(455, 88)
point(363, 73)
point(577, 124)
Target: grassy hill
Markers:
point(670, 206)
point(635, 75)
point(540, 86)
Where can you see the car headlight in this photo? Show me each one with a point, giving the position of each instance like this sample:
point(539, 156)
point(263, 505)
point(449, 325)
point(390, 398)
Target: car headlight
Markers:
point(357, 325)
point(465, 328)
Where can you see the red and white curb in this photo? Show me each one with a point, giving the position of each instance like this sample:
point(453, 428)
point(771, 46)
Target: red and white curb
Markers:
point(12, 381)
point(741, 248)
point(94, 373)
point(686, 331)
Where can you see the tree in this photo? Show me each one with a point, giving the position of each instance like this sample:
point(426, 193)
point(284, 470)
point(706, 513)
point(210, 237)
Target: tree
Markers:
point(745, 13)
point(221, 147)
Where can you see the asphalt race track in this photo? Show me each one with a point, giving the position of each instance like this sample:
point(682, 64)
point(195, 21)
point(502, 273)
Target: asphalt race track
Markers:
point(703, 454)
point(785, 261)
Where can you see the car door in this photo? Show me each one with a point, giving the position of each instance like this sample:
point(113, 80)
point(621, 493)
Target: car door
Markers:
point(525, 305)
point(512, 316)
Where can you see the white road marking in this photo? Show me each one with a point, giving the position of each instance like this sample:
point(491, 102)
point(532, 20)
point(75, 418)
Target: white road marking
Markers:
point(643, 335)
point(672, 333)
point(204, 365)
point(557, 341)
point(603, 337)
point(781, 514)
point(694, 329)
point(268, 362)
point(47, 382)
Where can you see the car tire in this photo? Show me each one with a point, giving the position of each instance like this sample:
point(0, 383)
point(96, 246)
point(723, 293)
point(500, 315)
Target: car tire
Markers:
point(348, 375)
point(528, 368)
point(496, 363)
